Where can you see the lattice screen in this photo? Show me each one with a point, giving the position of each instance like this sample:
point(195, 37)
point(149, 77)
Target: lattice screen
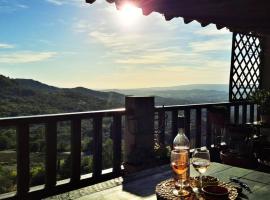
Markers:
point(245, 66)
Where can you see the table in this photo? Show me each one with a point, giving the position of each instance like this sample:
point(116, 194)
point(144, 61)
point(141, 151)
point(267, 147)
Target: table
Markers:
point(141, 185)
point(259, 182)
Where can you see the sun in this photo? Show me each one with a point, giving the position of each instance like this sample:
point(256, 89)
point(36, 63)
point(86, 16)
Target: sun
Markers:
point(129, 14)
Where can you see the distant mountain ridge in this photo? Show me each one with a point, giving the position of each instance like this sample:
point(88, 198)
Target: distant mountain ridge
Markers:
point(217, 87)
point(196, 93)
point(29, 97)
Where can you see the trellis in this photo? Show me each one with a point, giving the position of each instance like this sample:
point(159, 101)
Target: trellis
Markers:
point(246, 64)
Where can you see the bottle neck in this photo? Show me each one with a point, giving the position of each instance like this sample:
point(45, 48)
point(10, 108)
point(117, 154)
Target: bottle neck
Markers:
point(181, 131)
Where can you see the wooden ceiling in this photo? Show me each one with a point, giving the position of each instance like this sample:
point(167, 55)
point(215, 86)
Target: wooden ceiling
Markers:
point(243, 16)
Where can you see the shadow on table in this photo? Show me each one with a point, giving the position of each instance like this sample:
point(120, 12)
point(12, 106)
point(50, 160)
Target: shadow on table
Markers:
point(145, 184)
point(242, 196)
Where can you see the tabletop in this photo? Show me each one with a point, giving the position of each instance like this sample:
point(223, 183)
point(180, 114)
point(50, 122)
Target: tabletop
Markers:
point(258, 182)
point(142, 185)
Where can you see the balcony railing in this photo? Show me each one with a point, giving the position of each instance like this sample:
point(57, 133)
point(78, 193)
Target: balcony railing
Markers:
point(51, 187)
point(196, 120)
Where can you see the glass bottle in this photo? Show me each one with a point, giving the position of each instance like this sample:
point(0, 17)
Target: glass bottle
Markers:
point(181, 143)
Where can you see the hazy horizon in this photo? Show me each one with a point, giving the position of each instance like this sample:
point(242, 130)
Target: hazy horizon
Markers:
point(70, 43)
point(114, 88)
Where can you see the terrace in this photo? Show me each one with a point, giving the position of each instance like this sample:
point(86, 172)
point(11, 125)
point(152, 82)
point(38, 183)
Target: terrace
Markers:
point(141, 127)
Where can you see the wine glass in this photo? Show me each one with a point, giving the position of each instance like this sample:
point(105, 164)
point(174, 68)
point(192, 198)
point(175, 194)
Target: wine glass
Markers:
point(201, 161)
point(179, 164)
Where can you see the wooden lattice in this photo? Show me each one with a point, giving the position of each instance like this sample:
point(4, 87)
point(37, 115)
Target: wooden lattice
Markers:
point(245, 66)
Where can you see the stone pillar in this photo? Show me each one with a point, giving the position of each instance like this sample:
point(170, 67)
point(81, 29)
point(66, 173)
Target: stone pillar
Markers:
point(139, 134)
point(265, 76)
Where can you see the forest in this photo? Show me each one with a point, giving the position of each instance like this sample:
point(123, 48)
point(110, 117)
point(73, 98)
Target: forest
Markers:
point(27, 97)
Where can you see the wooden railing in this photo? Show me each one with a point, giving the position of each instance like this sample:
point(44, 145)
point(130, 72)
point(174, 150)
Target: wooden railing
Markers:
point(197, 118)
point(51, 186)
point(239, 113)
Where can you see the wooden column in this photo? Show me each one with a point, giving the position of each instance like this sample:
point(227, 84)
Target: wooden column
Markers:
point(139, 134)
point(265, 71)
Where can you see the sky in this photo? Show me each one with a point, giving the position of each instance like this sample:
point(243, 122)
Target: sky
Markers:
point(68, 43)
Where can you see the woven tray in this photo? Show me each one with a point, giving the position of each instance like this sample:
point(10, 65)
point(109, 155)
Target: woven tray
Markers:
point(164, 191)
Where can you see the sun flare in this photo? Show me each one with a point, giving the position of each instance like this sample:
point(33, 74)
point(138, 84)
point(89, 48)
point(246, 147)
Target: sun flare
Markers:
point(129, 14)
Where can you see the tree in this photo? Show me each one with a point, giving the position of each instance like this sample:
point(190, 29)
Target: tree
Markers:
point(107, 153)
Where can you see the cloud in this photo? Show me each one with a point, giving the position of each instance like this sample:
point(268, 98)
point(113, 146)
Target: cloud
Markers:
point(22, 6)
point(211, 45)
point(80, 3)
point(11, 6)
point(211, 30)
point(161, 76)
point(156, 52)
point(136, 49)
point(151, 57)
point(139, 50)
point(134, 43)
point(6, 46)
point(82, 26)
point(56, 2)
point(121, 42)
point(25, 57)
point(114, 40)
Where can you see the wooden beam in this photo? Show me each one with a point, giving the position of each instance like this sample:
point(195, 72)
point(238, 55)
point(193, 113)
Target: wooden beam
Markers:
point(23, 170)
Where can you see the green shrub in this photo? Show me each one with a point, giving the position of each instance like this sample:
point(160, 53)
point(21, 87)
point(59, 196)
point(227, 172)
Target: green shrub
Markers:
point(7, 180)
point(86, 165)
point(37, 175)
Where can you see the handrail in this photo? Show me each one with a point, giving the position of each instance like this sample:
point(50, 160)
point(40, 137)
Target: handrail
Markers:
point(193, 106)
point(9, 121)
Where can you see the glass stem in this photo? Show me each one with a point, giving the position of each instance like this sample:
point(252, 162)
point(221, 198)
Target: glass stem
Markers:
point(201, 184)
point(181, 186)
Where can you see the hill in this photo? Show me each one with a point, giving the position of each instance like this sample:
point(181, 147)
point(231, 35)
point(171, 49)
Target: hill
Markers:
point(29, 97)
point(207, 87)
point(205, 93)
point(216, 87)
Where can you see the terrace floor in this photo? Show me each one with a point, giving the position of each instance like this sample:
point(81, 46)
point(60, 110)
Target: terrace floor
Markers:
point(142, 185)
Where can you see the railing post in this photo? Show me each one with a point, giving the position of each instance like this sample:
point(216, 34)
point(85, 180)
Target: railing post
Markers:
point(23, 177)
point(265, 63)
point(117, 143)
point(97, 157)
point(187, 122)
point(161, 126)
point(208, 129)
point(51, 154)
point(75, 150)
point(139, 135)
point(198, 127)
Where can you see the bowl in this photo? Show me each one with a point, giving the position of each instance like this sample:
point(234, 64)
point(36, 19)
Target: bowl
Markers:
point(215, 192)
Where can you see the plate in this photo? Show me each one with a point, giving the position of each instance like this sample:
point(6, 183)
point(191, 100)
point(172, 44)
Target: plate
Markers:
point(164, 190)
point(232, 190)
